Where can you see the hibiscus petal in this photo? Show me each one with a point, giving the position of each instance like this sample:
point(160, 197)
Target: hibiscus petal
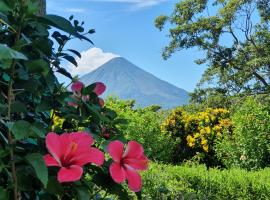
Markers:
point(77, 86)
point(82, 138)
point(117, 172)
point(54, 146)
point(50, 161)
point(90, 155)
point(133, 150)
point(138, 164)
point(134, 180)
point(99, 88)
point(70, 174)
point(115, 149)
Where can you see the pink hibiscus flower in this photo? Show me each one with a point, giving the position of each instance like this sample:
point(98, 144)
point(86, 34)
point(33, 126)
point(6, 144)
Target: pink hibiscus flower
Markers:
point(99, 88)
point(71, 151)
point(77, 86)
point(127, 163)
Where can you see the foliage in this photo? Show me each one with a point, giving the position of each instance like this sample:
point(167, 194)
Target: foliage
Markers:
point(143, 125)
point(196, 182)
point(235, 38)
point(249, 145)
point(33, 103)
point(196, 132)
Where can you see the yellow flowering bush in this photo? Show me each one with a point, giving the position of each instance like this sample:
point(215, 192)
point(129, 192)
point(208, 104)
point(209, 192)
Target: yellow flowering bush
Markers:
point(197, 132)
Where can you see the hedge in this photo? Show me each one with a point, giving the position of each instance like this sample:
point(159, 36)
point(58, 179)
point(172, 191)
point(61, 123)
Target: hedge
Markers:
point(197, 182)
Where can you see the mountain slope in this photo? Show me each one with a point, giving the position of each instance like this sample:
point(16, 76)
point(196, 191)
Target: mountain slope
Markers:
point(128, 81)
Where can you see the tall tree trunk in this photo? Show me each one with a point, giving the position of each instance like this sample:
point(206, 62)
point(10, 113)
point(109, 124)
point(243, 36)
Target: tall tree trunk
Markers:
point(42, 7)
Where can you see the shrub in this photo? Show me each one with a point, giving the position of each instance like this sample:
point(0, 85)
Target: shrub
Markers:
point(50, 136)
point(196, 132)
point(248, 146)
point(143, 125)
point(196, 182)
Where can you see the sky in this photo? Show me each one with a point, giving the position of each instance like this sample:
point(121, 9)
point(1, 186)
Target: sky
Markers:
point(126, 28)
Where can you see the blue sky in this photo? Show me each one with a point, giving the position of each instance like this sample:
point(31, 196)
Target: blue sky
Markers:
point(126, 28)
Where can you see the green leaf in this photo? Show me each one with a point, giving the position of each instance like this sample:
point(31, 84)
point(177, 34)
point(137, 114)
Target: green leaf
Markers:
point(20, 129)
point(38, 129)
point(63, 24)
point(83, 193)
point(60, 23)
point(53, 186)
point(3, 193)
point(18, 106)
point(6, 77)
point(64, 72)
point(38, 163)
point(45, 105)
point(71, 59)
point(50, 80)
point(75, 52)
point(38, 66)
point(8, 53)
point(4, 7)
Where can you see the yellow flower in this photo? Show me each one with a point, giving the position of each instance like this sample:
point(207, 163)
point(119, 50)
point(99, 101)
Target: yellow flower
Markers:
point(197, 135)
point(208, 130)
point(204, 141)
point(190, 141)
point(205, 148)
point(57, 122)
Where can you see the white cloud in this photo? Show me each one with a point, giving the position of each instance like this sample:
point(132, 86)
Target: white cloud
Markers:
point(91, 60)
point(136, 3)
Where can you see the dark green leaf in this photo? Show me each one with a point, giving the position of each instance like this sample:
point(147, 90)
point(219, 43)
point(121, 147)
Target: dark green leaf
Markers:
point(8, 53)
point(6, 77)
point(64, 72)
point(83, 193)
point(38, 66)
point(75, 52)
point(18, 106)
point(51, 80)
point(60, 23)
point(39, 129)
point(91, 31)
point(20, 129)
point(4, 7)
point(71, 59)
point(3, 194)
point(38, 163)
point(53, 186)
point(45, 105)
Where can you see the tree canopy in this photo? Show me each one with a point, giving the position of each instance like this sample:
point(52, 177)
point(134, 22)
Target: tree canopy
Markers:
point(234, 34)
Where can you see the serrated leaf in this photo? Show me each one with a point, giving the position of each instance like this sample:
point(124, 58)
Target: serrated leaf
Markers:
point(38, 163)
point(8, 53)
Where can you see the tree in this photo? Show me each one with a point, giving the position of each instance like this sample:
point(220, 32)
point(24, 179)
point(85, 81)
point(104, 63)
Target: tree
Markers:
point(42, 7)
point(234, 34)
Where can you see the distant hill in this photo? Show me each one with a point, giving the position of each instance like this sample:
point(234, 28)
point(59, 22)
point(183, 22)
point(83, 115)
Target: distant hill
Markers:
point(127, 81)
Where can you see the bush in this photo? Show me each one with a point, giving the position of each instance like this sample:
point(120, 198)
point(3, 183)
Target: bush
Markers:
point(197, 132)
point(196, 182)
point(249, 145)
point(143, 125)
